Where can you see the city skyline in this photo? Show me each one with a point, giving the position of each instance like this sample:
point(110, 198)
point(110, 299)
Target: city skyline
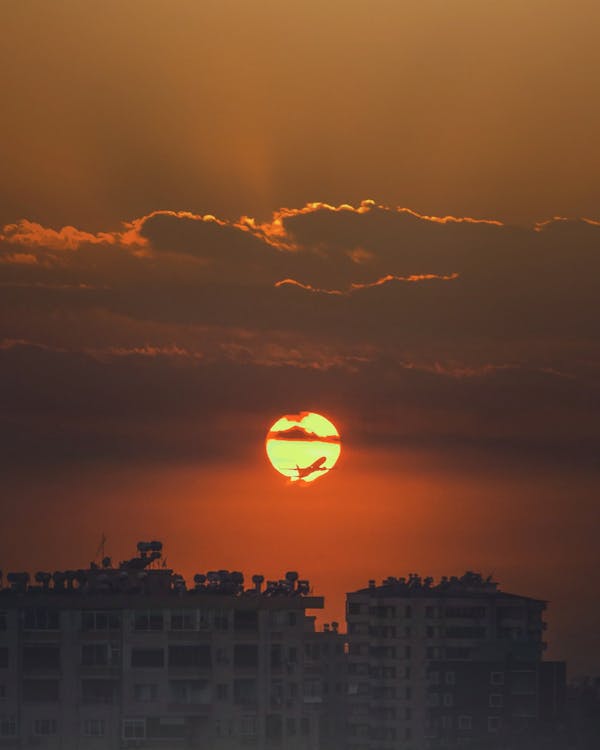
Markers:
point(120, 655)
point(216, 216)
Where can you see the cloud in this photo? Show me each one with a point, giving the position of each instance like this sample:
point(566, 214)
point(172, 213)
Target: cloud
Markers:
point(31, 234)
point(433, 328)
point(300, 433)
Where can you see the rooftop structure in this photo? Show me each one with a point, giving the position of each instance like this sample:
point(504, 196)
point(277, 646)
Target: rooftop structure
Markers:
point(145, 575)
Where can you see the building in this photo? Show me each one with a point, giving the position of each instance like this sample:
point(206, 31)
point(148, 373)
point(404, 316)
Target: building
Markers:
point(326, 684)
point(128, 656)
point(457, 663)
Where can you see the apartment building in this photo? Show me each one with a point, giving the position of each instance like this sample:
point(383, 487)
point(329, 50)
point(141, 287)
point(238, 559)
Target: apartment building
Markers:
point(326, 684)
point(127, 656)
point(457, 663)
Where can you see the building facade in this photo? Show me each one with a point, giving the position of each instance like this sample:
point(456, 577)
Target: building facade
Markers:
point(458, 663)
point(127, 656)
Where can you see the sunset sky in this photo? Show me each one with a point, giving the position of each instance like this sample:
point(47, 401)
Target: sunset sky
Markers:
point(213, 214)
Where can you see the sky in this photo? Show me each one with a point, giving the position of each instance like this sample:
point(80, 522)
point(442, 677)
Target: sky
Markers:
point(215, 214)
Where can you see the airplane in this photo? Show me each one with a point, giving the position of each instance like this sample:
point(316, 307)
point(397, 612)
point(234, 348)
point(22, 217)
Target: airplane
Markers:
point(306, 471)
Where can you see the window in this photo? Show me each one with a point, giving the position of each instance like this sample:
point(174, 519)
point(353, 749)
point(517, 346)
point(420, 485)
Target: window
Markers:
point(166, 728)
point(464, 722)
point(512, 613)
point(276, 693)
point(408, 713)
point(246, 620)
point(475, 613)
point(204, 618)
point(382, 611)
point(312, 689)
point(148, 620)
point(221, 620)
point(193, 655)
point(407, 652)
point(467, 631)
point(94, 728)
point(494, 723)
point(245, 692)
point(41, 691)
point(433, 652)
point(450, 678)
point(8, 726)
point(457, 653)
point(3, 658)
point(245, 655)
point(40, 657)
point(248, 726)
point(98, 691)
point(134, 729)
point(2, 692)
point(290, 726)
point(274, 726)
point(221, 656)
point(41, 618)
point(496, 678)
point(183, 619)
point(147, 657)
point(353, 608)
point(144, 692)
point(224, 727)
point(44, 727)
point(222, 691)
point(408, 611)
point(433, 699)
point(190, 691)
point(100, 620)
point(434, 678)
point(304, 725)
point(446, 722)
point(3, 620)
point(496, 700)
point(100, 655)
point(429, 612)
point(448, 699)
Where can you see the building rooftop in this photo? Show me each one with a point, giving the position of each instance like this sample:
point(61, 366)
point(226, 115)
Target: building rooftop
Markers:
point(469, 585)
point(146, 576)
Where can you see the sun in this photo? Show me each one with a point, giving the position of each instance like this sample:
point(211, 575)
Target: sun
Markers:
point(304, 446)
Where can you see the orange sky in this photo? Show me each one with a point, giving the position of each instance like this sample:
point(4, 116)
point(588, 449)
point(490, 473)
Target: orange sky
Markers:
point(381, 514)
point(216, 214)
point(470, 108)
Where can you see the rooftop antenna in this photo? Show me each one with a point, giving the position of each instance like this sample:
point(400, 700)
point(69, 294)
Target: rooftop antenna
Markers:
point(100, 552)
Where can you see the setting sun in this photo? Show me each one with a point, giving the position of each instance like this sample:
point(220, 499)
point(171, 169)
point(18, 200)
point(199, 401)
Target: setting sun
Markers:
point(303, 447)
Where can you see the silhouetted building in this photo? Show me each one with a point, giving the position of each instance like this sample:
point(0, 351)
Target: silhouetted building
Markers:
point(127, 656)
point(583, 714)
point(458, 663)
point(325, 683)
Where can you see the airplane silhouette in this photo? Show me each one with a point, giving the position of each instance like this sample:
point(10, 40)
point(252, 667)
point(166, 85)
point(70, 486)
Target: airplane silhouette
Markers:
point(306, 471)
